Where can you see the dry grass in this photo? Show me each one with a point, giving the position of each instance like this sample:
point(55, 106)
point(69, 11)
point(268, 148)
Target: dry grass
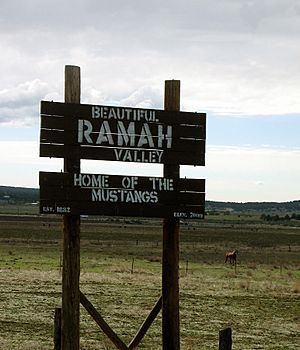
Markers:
point(259, 300)
point(253, 307)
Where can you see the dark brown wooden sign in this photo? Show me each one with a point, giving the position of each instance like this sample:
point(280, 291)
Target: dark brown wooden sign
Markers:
point(112, 195)
point(122, 134)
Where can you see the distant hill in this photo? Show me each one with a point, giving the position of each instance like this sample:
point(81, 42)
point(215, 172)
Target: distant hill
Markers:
point(10, 194)
point(29, 195)
point(293, 206)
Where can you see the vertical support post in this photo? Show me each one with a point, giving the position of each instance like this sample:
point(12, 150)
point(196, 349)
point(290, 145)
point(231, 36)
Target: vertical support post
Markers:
point(57, 329)
point(225, 339)
point(170, 260)
point(71, 233)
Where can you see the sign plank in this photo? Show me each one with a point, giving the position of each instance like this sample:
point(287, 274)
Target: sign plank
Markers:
point(100, 194)
point(122, 134)
point(96, 208)
point(85, 111)
point(125, 155)
point(181, 136)
point(59, 179)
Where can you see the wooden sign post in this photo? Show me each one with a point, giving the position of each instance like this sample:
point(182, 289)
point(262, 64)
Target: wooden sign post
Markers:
point(71, 240)
point(170, 260)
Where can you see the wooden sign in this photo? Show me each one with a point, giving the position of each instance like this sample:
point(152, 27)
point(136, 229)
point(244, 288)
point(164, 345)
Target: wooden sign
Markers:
point(122, 134)
point(113, 195)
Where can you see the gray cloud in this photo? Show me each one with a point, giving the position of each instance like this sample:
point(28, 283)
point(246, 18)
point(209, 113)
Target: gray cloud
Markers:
point(23, 94)
point(18, 104)
point(232, 56)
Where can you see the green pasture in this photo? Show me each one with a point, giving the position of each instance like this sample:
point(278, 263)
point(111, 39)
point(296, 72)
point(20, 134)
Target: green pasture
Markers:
point(121, 276)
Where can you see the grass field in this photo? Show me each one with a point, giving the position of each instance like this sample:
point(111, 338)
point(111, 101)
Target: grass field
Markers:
point(121, 276)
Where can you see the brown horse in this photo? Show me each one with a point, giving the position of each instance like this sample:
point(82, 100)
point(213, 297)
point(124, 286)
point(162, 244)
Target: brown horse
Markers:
point(231, 257)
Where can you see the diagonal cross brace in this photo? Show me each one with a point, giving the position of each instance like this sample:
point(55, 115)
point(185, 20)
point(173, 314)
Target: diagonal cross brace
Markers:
point(101, 323)
point(146, 325)
point(111, 334)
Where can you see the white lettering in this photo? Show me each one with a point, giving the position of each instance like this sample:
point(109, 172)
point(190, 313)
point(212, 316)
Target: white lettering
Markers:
point(80, 131)
point(126, 135)
point(145, 156)
point(129, 182)
point(85, 128)
point(104, 112)
point(161, 184)
point(118, 153)
point(105, 134)
point(179, 215)
point(196, 215)
point(112, 114)
point(145, 137)
point(127, 156)
point(124, 196)
point(48, 209)
point(77, 180)
point(100, 181)
point(95, 112)
point(133, 135)
point(159, 155)
point(87, 180)
point(164, 136)
point(128, 112)
point(62, 210)
point(121, 113)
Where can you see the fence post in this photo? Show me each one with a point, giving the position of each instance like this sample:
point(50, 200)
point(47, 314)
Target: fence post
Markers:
point(225, 340)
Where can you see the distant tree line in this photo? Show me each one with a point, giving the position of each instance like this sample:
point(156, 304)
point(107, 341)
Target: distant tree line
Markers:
point(293, 206)
point(10, 194)
point(267, 217)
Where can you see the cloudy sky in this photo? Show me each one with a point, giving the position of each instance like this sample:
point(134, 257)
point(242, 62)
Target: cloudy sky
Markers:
point(238, 61)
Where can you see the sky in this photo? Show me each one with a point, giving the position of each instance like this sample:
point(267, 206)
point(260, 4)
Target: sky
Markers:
point(238, 61)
